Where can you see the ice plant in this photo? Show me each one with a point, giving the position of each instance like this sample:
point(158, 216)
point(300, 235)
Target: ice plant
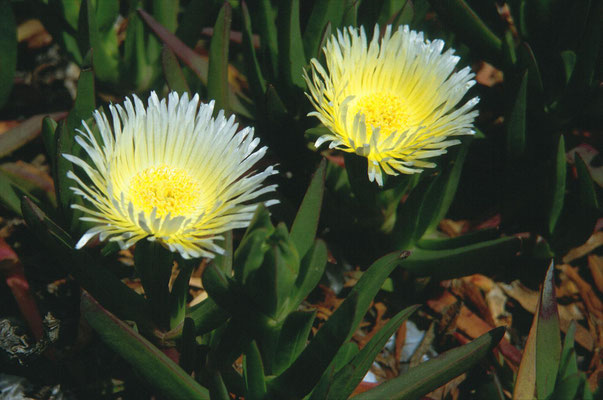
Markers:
point(170, 172)
point(392, 100)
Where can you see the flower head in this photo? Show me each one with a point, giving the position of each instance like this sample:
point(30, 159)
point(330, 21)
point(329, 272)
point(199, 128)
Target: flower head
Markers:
point(169, 172)
point(392, 100)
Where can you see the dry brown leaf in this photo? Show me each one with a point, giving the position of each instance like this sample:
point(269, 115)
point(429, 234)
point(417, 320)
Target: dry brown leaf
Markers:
point(198, 299)
point(595, 264)
point(452, 228)
point(424, 345)
point(592, 302)
point(400, 340)
point(488, 75)
point(471, 294)
point(473, 326)
point(528, 299)
point(380, 308)
point(7, 125)
point(450, 390)
point(592, 243)
point(497, 301)
point(481, 281)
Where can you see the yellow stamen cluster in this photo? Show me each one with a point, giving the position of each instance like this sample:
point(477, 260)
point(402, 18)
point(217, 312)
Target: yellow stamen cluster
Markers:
point(169, 189)
point(395, 99)
point(383, 110)
point(167, 171)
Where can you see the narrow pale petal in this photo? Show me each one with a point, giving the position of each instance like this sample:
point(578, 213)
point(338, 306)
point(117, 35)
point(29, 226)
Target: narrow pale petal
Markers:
point(394, 100)
point(168, 172)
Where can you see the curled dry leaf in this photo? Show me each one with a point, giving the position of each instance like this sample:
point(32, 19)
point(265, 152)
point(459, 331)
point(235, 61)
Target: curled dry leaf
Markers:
point(592, 243)
point(473, 326)
point(595, 264)
point(528, 299)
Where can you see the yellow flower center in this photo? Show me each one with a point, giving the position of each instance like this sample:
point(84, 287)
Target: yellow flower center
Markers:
point(170, 189)
point(383, 110)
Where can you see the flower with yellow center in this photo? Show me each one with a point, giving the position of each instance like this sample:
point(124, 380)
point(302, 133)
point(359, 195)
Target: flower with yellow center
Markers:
point(392, 100)
point(168, 172)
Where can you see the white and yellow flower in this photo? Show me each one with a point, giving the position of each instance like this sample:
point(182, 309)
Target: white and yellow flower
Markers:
point(392, 100)
point(168, 172)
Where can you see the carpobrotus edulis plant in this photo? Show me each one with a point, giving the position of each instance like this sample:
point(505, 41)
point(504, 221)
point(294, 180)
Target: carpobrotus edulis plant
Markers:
point(170, 172)
point(392, 100)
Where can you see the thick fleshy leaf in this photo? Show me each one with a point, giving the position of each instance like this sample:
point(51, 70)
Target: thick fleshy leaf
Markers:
point(95, 278)
point(8, 49)
point(299, 379)
point(271, 284)
point(291, 58)
point(10, 196)
point(153, 264)
point(389, 11)
point(528, 61)
point(481, 257)
point(350, 13)
point(525, 383)
point(194, 61)
point(441, 193)
point(106, 13)
point(509, 52)
point(323, 12)
point(173, 73)
point(179, 293)
point(348, 378)
point(548, 340)
point(579, 214)
point(470, 28)
point(253, 372)
point(49, 129)
point(137, 66)
point(568, 58)
point(254, 72)
point(250, 254)
point(227, 344)
point(198, 64)
point(587, 193)
point(305, 224)
point(268, 36)
point(459, 241)
point(345, 354)
point(157, 369)
point(405, 14)
point(207, 316)
point(429, 375)
point(104, 59)
point(311, 269)
point(228, 296)
point(516, 122)
point(188, 346)
point(196, 15)
point(569, 378)
point(224, 260)
point(542, 354)
point(585, 36)
point(84, 105)
point(408, 212)
point(217, 75)
point(217, 388)
point(274, 105)
point(292, 339)
point(370, 283)
point(556, 195)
